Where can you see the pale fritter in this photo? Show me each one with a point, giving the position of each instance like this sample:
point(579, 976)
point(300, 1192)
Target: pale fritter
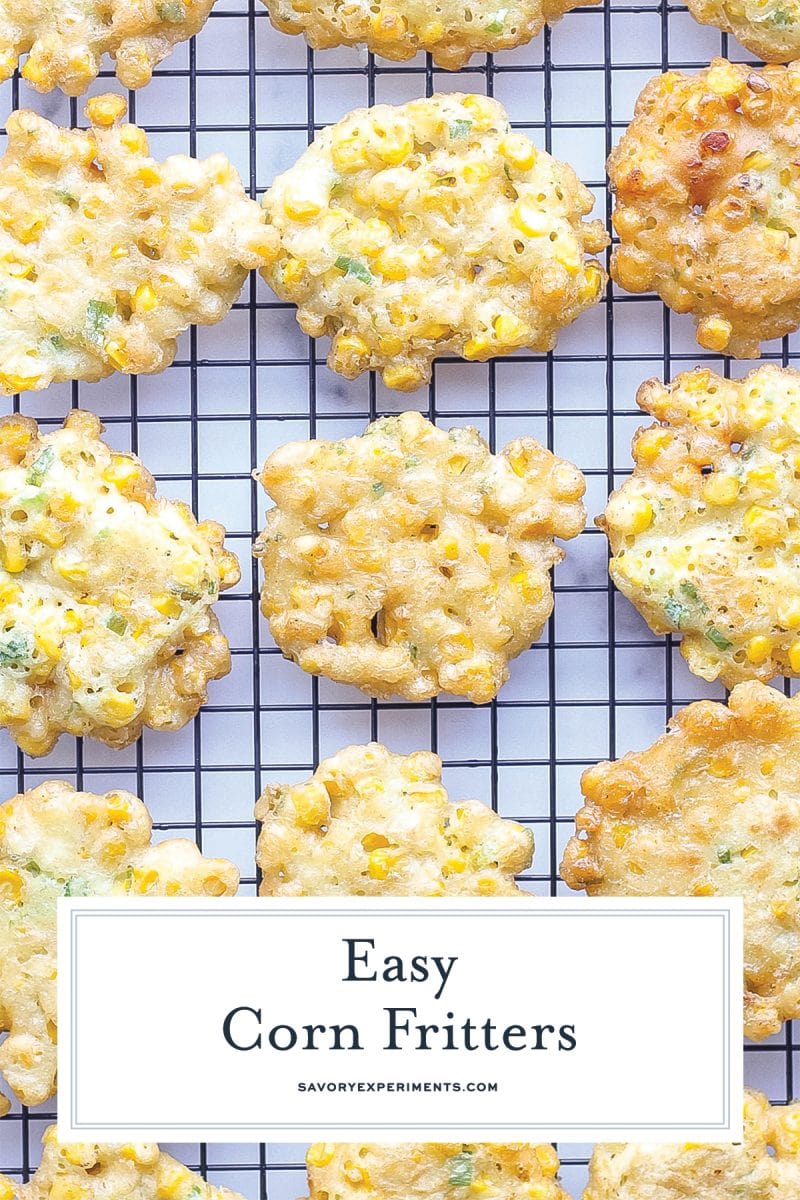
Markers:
point(450, 30)
point(770, 29)
point(433, 1171)
point(710, 809)
point(705, 534)
point(412, 560)
point(106, 591)
point(412, 231)
point(707, 180)
point(373, 823)
point(66, 39)
point(55, 842)
point(88, 1171)
point(106, 256)
point(766, 1166)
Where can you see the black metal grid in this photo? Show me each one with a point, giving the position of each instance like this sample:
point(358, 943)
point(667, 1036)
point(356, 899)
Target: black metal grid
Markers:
point(596, 685)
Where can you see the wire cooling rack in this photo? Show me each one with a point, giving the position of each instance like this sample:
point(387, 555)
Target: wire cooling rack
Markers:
point(597, 684)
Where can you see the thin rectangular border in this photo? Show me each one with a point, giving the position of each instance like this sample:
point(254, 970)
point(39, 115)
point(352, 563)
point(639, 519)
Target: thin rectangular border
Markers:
point(729, 913)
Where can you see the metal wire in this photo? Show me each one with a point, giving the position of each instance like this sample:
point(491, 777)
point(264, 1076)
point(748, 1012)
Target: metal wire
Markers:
point(596, 685)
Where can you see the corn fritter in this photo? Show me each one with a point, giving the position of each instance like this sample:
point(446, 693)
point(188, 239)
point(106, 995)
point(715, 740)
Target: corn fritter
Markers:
point(710, 809)
point(106, 591)
point(412, 231)
point(373, 823)
point(56, 841)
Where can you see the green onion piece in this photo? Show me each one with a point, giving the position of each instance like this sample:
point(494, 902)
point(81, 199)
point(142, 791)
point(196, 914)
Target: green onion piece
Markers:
point(497, 23)
point(717, 638)
point(77, 887)
point(690, 590)
point(15, 648)
point(378, 488)
point(66, 198)
point(676, 612)
point(117, 623)
point(40, 466)
point(460, 129)
point(351, 266)
point(461, 1169)
point(172, 10)
point(724, 856)
point(98, 314)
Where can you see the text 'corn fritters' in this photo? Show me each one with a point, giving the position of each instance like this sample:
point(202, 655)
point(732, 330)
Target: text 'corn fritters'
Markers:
point(87, 1171)
point(106, 591)
point(449, 30)
point(710, 809)
point(55, 842)
point(707, 181)
point(106, 256)
point(433, 1171)
point(412, 231)
point(766, 1166)
point(373, 823)
point(412, 560)
point(769, 29)
point(66, 39)
point(705, 534)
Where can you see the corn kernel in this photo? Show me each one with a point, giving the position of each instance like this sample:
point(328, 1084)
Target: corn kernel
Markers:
point(105, 110)
point(721, 489)
point(530, 220)
point(167, 605)
point(148, 174)
point(48, 638)
point(117, 353)
point(528, 585)
point(133, 139)
point(477, 347)
point(548, 1159)
point(10, 885)
point(311, 804)
point(13, 555)
point(299, 207)
point(758, 649)
point(320, 1154)
point(763, 524)
point(794, 657)
point(633, 514)
point(510, 330)
point(714, 333)
point(456, 646)
point(72, 571)
point(144, 299)
point(381, 862)
point(118, 708)
point(518, 151)
point(122, 469)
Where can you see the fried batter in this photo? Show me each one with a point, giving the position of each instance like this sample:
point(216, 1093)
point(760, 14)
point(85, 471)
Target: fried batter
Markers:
point(433, 1171)
point(705, 534)
point(95, 1172)
point(447, 29)
point(106, 256)
point(769, 29)
point(106, 591)
point(412, 560)
point(66, 39)
point(55, 842)
point(429, 228)
point(766, 1166)
point(373, 823)
point(710, 809)
point(707, 179)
